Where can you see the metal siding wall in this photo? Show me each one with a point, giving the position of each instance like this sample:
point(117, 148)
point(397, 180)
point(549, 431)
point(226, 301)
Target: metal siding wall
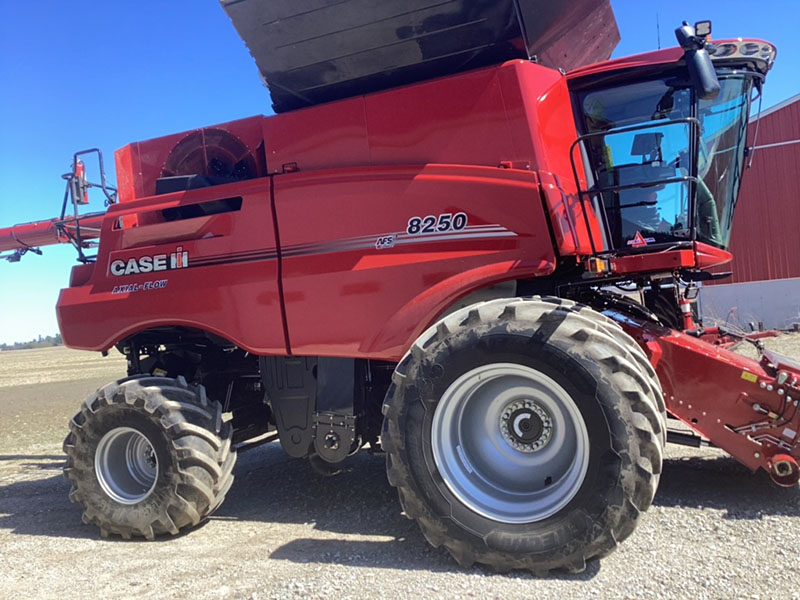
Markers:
point(766, 228)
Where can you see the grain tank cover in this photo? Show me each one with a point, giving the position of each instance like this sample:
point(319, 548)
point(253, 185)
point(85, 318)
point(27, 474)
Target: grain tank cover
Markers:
point(314, 51)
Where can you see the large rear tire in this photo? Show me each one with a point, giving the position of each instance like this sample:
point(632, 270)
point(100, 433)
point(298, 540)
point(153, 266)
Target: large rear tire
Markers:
point(524, 434)
point(148, 456)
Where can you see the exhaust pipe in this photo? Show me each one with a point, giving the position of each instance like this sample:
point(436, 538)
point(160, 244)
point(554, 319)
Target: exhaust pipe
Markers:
point(784, 470)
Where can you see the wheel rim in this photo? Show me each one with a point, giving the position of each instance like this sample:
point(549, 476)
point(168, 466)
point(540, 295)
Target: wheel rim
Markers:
point(126, 465)
point(495, 464)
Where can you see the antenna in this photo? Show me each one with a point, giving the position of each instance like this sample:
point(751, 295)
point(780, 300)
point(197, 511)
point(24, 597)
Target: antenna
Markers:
point(658, 32)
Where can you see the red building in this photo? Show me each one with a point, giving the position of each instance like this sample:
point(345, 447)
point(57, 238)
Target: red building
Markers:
point(766, 226)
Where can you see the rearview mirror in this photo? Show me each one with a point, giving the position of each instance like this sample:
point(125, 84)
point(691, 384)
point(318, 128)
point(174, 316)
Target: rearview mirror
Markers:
point(648, 146)
point(701, 69)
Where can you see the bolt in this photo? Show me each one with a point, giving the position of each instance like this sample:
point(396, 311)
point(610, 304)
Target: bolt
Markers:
point(783, 468)
point(762, 385)
point(780, 392)
point(769, 387)
point(757, 455)
point(331, 441)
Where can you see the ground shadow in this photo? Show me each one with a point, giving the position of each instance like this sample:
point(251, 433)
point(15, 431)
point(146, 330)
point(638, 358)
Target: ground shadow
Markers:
point(272, 488)
point(42, 462)
point(404, 553)
point(722, 483)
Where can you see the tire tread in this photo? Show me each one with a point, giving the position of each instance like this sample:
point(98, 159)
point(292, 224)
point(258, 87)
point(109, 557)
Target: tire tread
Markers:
point(592, 333)
point(200, 444)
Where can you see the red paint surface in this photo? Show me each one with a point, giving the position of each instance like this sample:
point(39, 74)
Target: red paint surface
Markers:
point(239, 301)
point(705, 388)
point(654, 57)
point(709, 256)
point(370, 302)
point(658, 262)
point(46, 233)
point(472, 143)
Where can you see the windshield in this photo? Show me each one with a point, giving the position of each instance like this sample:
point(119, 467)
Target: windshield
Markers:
point(655, 146)
point(723, 128)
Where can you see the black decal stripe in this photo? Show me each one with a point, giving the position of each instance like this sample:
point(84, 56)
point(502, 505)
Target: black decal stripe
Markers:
point(369, 241)
point(232, 258)
point(220, 262)
point(348, 244)
point(237, 254)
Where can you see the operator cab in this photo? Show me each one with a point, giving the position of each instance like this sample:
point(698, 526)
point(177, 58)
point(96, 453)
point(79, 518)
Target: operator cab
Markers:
point(662, 148)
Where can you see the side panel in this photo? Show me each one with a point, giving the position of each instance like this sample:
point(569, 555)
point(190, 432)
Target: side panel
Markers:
point(541, 95)
point(455, 120)
point(477, 118)
point(218, 147)
point(220, 270)
point(362, 277)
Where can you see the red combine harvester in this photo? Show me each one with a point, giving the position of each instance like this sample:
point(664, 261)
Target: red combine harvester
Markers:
point(423, 253)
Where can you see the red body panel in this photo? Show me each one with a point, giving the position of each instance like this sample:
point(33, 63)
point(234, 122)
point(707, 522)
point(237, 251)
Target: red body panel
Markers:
point(725, 396)
point(344, 175)
point(229, 286)
point(139, 164)
point(655, 57)
point(345, 297)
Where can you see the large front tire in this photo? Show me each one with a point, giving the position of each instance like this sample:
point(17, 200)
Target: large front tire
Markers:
point(148, 456)
point(524, 433)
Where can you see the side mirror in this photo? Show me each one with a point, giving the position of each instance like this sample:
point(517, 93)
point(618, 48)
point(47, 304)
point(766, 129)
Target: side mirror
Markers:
point(701, 69)
point(647, 145)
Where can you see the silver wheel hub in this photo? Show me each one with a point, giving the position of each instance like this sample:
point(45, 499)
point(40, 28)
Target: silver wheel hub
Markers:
point(126, 465)
point(526, 426)
point(510, 443)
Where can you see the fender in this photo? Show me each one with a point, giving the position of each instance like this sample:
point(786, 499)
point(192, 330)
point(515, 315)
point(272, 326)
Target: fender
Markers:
point(406, 325)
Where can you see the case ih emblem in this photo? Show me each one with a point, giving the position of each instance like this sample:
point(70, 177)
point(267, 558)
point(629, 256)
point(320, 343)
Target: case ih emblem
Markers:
point(151, 263)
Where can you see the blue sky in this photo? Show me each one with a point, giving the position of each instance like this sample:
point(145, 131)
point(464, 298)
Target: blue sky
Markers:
point(83, 73)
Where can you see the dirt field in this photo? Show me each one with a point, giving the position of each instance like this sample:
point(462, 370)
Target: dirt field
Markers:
point(715, 530)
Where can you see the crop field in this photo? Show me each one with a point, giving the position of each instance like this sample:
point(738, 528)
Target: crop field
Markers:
point(714, 531)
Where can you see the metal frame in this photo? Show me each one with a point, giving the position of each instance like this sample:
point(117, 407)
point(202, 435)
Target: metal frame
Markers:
point(109, 191)
point(694, 133)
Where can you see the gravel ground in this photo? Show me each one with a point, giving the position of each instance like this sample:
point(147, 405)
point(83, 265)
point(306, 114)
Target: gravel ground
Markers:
point(715, 530)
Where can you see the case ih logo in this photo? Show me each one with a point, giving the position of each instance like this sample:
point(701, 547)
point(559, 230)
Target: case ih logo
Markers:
point(149, 264)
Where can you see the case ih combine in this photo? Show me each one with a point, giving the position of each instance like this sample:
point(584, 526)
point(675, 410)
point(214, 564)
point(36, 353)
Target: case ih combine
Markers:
point(423, 252)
